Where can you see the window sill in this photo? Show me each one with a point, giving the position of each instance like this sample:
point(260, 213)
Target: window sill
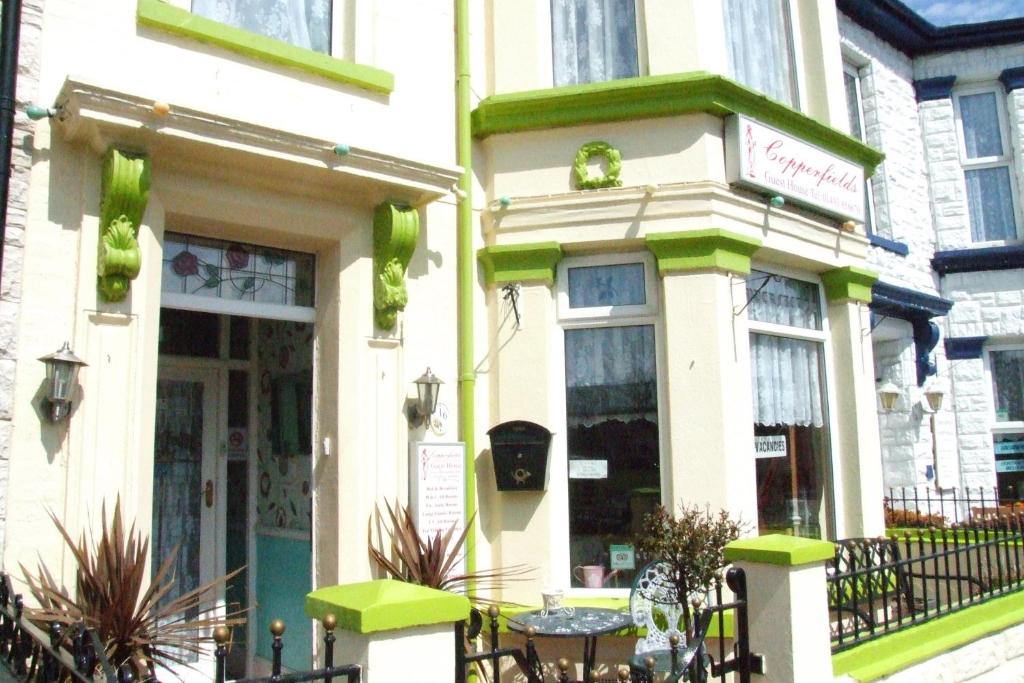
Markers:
point(889, 245)
point(977, 259)
point(160, 15)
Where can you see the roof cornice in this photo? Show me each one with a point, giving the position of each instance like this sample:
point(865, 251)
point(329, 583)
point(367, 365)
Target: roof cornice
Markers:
point(897, 24)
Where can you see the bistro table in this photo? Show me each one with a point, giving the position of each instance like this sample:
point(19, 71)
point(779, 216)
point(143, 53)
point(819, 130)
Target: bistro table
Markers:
point(585, 622)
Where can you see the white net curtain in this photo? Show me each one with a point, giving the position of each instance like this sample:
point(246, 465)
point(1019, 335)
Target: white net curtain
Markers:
point(593, 40)
point(786, 372)
point(305, 23)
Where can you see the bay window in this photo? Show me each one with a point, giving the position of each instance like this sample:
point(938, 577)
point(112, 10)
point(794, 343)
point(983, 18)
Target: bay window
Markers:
point(759, 40)
point(855, 112)
point(791, 434)
point(593, 40)
point(607, 310)
point(986, 160)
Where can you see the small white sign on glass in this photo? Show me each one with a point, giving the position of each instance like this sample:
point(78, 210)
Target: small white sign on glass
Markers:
point(588, 469)
point(773, 446)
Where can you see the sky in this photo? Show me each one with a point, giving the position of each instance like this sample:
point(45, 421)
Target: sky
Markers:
point(946, 12)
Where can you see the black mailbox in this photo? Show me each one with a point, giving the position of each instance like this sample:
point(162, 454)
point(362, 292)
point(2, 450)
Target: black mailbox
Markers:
point(520, 452)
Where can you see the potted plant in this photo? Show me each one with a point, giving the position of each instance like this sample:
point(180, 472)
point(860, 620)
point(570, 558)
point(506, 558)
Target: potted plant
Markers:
point(693, 543)
point(137, 626)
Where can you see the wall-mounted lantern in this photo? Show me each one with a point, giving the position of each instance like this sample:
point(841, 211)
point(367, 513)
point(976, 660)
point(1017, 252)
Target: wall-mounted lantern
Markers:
point(933, 396)
point(888, 394)
point(520, 453)
point(62, 368)
point(428, 386)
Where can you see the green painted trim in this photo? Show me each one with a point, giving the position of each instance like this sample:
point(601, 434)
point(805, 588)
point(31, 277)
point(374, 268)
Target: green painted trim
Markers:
point(395, 231)
point(465, 272)
point(386, 605)
point(849, 283)
point(158, 14)
point(123, 197)
point(590, 150)
point(629, 99)
point(711, 249)
point(520, 262)
point(899, 650)
point(786, 551)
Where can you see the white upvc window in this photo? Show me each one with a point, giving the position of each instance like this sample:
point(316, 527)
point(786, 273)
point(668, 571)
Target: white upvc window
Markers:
point(762, 47)
point(606, 474)
point(986, 157)
point(594, 40)
point(789, 365)
point(318, 25)
point(852, 78)
point(1006, 371)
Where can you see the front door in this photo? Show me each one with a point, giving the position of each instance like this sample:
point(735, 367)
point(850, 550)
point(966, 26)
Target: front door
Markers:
point(188, 488)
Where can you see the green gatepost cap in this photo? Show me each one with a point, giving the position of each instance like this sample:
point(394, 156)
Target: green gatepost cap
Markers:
point(780, 549)
point(386, 605)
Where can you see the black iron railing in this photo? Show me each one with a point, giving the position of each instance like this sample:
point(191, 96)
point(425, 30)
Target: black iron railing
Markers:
point(692, 661)
point(949, 552)
point(57, 653)
point(327, 673)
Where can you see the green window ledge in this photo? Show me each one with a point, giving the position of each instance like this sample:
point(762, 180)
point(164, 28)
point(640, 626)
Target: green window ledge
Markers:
point(160, 15)
point(653, 96)
point(901, 649)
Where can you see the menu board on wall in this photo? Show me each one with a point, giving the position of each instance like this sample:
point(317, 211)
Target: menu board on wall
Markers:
point(437, 486)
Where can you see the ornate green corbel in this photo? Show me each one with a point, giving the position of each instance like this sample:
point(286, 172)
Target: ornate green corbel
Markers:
point(125, 192)
point(395, 231)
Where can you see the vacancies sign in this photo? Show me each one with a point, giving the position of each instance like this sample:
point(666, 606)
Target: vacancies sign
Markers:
point(766, 159)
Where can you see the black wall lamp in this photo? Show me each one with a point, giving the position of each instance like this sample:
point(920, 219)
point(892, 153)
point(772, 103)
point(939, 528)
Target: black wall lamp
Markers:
point(62, 368)
point(428, 386)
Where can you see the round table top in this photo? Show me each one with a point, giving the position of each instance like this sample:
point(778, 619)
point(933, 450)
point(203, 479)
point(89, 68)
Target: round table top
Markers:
point(585, 621)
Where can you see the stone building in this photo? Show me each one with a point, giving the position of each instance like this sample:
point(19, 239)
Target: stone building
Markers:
point(946, 240)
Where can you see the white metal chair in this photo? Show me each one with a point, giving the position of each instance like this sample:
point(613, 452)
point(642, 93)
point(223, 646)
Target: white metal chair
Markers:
point(655, 606)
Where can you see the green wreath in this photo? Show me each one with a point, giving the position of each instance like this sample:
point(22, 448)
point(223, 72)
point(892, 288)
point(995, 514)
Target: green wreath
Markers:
point(585, 154)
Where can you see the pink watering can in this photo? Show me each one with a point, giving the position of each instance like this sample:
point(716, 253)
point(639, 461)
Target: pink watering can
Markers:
point(592, 575)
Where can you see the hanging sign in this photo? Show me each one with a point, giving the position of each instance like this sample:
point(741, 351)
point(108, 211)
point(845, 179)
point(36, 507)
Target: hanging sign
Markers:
point(773, 446)
point(768, 160)
point(437, 485)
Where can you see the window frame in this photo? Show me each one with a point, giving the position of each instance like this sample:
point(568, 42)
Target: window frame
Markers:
point(596, 317)
point(1006, 159)
point(1009, 426)
point(834, 527)
point(858, 73)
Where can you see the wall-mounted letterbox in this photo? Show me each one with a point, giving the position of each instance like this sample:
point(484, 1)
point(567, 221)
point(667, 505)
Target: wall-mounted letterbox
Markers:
point(520, 452)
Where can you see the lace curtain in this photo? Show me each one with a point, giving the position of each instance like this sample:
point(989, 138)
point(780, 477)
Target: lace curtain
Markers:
point(610, 374)
point(989, 197)
point(757, 36)
point(786, 373)
point(305, 23)
point(593, 40)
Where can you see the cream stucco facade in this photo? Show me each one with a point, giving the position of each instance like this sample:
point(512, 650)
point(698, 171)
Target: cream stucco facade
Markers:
point(247, 145)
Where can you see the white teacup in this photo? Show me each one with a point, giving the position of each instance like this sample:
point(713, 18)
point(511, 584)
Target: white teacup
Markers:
point(553, 602)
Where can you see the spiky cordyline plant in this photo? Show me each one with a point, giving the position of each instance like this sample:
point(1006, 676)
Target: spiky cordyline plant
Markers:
point(432, 561)
point(135, 628)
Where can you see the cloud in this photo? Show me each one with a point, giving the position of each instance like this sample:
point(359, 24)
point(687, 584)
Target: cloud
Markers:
point(946, 12)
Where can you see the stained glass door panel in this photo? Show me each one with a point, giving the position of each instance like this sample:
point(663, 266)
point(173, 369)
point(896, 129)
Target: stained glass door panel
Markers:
point(185, 485)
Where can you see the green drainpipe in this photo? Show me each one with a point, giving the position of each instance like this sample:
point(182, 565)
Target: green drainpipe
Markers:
point(464, 259)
